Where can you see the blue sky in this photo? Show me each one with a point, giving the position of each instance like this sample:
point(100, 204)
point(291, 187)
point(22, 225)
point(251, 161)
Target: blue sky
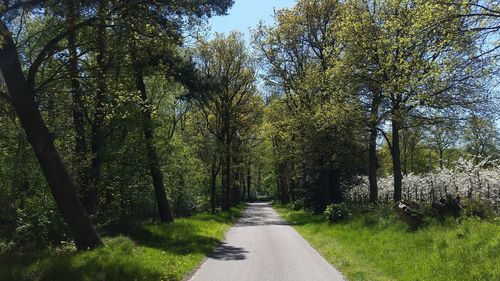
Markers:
point(246, 14)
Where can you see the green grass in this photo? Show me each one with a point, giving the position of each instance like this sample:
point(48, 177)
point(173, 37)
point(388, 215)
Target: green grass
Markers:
point(386, 250)
point(147, 252)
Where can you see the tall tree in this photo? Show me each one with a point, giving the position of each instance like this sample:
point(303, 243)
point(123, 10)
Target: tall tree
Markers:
point(22, 96)
point(481, 138)
point(302, 55)
point(421, 60)
point(227, 60)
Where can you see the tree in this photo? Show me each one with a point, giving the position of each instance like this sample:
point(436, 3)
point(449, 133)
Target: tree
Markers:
point(361, 70)
point(22, 97)
point(481, 138)
point(421, 63)
point(228, 108)
point(302, 55)
point(442, 137)
point(91, 65)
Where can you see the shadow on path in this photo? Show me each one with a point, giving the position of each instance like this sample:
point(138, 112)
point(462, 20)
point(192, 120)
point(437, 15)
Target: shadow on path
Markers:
point(228, 252)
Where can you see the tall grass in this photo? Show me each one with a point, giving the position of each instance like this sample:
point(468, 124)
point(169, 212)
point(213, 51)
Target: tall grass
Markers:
point(146, 252)
point(367, 249)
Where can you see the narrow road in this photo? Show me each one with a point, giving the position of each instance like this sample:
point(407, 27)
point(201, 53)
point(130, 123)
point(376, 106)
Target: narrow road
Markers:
point(262, 247)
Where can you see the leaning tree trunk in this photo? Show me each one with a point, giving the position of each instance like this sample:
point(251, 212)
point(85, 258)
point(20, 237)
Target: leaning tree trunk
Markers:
point(164, 209)
point(22, 97)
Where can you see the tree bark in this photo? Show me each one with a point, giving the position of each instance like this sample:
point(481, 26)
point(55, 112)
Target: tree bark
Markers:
point(278, 180)
point(249, 180)
point(441, 158)
point(179, 210)
point(373, 165)
point(334, 183)
point(80, 148)
point(396, 160)
point(236, 186)
point(42, 141)
point(284, 195)
point(90, 198)
point(372, 146)
point(213, 185)
point(164, 209)
point(226, 177)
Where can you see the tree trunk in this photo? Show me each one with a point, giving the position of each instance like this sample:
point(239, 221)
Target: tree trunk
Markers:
point(441, 158)
point(80, 149)
point(236, 186)
point(164, 209)
point(293, 183)
point(284, 195)
point(89, 199)
point(396, 160)
point(372, 147)
point(373, 165)
point(213, 186)
point(405, 156)
point(179, 210)
point(278, 180)
point(334, 184)
point(249, 180)
point(42, 141)
point(259, 179)
point(226, 177)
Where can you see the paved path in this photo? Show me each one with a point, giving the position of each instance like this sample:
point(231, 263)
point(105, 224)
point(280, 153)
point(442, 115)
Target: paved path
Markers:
point(262, 247)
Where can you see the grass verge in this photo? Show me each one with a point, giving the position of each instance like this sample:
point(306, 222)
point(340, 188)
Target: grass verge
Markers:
point(148, 252)
point(384, 250)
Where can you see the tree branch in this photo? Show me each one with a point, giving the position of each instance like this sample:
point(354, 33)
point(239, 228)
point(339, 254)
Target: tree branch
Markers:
point(386, 138)
point(49, 47)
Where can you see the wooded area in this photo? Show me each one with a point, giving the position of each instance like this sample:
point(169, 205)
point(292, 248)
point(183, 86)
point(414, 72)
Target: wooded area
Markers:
point(116, 112)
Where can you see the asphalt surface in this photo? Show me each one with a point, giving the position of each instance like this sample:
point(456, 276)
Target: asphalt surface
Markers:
point(262, 247)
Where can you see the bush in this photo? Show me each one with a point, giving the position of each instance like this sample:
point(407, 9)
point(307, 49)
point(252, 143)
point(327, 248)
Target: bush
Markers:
point(336, 212)
point(298, 205)
point(448, 206)
point(39, 223)
point(476, 208)
point(379, 214)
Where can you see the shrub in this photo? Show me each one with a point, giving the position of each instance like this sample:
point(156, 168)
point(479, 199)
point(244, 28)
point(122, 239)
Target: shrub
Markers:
point(39, 223)
point(298, 205)
point(380, 213)
point(476, 208)
point(336, 212)
point(445, 207)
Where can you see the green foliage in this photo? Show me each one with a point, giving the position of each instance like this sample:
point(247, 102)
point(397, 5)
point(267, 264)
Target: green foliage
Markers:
point(336, 213)
point(477, 208)
point(298, 204)
point(385, 250)
point(39, 223)
point(143, 252)
point(333, 70)
point(378, 214)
